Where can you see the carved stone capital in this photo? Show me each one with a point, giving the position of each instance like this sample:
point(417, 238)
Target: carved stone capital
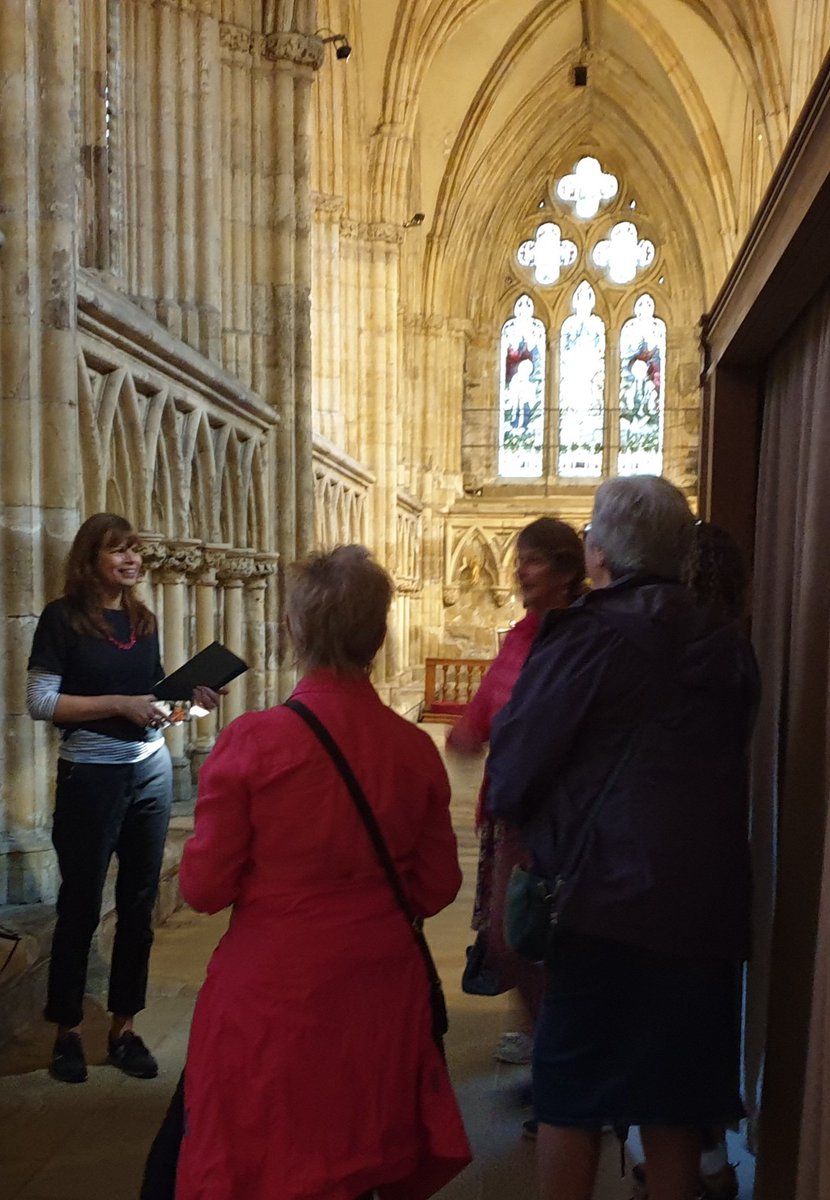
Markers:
point(325, 202)
point(349, 228)
point(384, 231)
point(152, 554)
point(297, 48)
point(236, 568)
point(235, 37)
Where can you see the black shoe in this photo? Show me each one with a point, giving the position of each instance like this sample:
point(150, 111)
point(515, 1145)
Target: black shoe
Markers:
point(131, 1056)
point(530, 1129)
point(68, 1063)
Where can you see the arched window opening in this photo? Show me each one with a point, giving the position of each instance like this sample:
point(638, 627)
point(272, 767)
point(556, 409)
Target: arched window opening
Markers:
point(587, 188)
point(522, 394)
point(642, 391)
point(547, 253)
point(581, 388)
point(622, 254)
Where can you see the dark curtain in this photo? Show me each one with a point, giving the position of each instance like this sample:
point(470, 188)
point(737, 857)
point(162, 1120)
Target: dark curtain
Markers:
point(791, 630)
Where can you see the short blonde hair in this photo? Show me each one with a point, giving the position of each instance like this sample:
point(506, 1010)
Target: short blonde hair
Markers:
point(337, 604)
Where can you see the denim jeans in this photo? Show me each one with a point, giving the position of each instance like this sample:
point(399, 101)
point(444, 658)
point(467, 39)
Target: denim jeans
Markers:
point(104, 809)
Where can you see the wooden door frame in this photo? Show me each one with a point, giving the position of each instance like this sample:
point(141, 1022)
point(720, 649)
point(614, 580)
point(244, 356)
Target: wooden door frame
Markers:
point(783, 264)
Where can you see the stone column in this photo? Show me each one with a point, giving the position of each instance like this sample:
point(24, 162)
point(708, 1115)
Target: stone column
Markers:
point(173, 578)
point(205, 585)
point(233, 572)
point(39, 472)
point(255, 590)
point(282, 262)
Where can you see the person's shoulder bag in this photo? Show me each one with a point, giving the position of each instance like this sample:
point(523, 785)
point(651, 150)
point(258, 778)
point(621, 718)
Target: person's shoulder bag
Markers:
point(438, 1005)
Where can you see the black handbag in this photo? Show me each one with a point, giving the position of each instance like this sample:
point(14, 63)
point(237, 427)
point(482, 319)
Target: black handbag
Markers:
point(438, 1004)
point(478, 977)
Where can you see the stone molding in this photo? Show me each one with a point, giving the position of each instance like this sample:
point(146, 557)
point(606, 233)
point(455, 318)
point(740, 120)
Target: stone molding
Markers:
point(325, 202)
point(297, 48)
point(237, 38)
point(331, 458)
point(187, 562)
point(371, 231)
point(105, 314)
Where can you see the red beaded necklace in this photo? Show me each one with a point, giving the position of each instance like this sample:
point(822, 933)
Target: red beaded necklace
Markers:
point(128, 645)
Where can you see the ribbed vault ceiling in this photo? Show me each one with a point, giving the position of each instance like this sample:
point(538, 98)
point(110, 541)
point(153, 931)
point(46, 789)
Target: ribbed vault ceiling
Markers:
point(469, 109)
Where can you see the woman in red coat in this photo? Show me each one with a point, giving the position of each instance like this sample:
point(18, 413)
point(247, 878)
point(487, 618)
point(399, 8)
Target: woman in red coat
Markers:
point(550, 570)
point(311, 1072)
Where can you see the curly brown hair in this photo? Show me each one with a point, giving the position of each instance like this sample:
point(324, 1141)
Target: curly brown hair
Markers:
point(82, 589)
point(715, 572)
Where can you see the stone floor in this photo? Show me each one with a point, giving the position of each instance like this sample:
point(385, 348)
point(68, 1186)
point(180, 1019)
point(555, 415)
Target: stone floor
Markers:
point(88, 1142)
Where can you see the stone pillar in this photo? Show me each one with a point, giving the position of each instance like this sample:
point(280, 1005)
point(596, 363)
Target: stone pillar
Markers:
point(282, 262)
point(205, 585)
point(255, 589)
point(234, 571)
point(39, 472)
point(174, 655)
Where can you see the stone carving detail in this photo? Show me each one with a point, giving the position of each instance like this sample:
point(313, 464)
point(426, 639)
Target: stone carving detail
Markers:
point(296, 48)
point(408, 541)
point(383, 231)
point(325, 202)
point(156, 450)
point(481, 559)
point(234, 37)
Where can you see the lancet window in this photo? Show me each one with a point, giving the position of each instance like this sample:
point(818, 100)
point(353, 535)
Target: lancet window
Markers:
point(522, 393)
point(642, 391)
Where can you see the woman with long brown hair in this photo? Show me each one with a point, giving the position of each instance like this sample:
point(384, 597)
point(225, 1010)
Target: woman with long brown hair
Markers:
point(94, 662)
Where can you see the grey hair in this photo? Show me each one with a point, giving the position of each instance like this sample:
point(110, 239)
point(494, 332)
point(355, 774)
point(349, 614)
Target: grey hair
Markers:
point(642, 524)
point(337, 603)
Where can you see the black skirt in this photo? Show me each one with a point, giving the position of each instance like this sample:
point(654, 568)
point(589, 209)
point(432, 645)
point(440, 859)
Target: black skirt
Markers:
point(629, 1036)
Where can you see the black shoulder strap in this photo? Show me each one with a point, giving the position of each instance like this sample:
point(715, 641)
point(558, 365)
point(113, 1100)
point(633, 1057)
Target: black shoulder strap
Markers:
point(372, 828)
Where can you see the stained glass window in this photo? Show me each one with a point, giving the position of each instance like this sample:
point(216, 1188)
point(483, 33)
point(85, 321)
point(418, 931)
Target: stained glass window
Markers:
point(522, 393)
point(547, 253)
point(587, 188)
point(642, 391)
point(581, 388)
point(622, 254)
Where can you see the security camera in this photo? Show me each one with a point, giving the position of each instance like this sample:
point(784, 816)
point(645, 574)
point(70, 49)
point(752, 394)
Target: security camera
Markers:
point(342, 49)
point(415, 220)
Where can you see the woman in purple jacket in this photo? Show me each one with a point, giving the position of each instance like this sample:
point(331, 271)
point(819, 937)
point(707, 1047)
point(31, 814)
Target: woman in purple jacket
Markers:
point(637, 795)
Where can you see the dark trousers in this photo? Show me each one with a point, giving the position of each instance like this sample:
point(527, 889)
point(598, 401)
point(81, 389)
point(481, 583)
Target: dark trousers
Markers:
point(100, 810)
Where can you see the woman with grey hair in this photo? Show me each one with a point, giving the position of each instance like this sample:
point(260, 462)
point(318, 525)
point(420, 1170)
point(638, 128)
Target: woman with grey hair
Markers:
point(635, 800)
point(312, 1070)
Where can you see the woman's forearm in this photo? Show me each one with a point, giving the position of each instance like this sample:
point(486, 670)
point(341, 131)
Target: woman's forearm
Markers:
point(141, 710)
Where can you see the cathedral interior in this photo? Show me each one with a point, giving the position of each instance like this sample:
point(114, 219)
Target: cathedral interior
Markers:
point(283, 274)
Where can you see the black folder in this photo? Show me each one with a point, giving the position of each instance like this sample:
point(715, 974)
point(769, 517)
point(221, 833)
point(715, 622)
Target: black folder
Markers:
point(212, 667)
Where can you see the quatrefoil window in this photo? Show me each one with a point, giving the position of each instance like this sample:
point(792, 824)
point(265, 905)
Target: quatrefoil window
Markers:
point(587, 188)
point(622, 254)
point(547, 253)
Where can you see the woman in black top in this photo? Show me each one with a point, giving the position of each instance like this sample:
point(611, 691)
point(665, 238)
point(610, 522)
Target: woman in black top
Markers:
point(94, 663)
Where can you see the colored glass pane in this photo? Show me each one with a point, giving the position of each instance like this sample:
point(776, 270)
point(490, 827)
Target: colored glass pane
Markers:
point(522, 394)
point(581, 388)
point(642, 391)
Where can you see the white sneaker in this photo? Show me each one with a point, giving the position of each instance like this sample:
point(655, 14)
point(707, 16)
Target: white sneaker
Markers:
point(514, 1048)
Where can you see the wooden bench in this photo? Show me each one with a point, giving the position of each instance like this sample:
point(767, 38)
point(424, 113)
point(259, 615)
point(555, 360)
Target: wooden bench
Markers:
point(449, 685)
